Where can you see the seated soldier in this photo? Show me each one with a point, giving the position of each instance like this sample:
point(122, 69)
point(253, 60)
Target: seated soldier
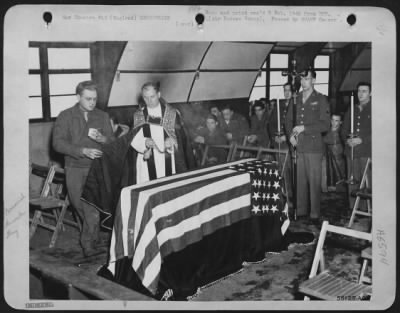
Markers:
point(213, 136)
point(234, 125)
point(259, 135)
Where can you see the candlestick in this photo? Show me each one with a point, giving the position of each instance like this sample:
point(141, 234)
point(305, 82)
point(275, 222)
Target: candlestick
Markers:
point(279, 115)
point(352, 112)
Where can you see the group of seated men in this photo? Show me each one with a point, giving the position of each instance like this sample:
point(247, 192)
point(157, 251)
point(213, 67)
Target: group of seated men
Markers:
point(157, 144)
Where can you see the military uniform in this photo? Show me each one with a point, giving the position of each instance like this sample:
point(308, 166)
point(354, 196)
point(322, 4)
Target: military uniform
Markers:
point(238, 126)
point(314, 114)
point(260, 129)
point(70, 136)
point(362, 128)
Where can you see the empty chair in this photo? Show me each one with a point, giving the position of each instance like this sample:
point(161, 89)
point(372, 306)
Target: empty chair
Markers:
point(52, 204)
point(322, 284)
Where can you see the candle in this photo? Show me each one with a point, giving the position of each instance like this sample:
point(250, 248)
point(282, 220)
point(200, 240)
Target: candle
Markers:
point(352, 113)
point(279, 115)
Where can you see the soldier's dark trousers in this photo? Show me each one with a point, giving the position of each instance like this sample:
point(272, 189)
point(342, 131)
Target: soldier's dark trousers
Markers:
point(75, 179)
point(309, 175)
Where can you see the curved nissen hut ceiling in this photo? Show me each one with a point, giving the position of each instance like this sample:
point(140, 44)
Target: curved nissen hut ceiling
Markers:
point(226, 70)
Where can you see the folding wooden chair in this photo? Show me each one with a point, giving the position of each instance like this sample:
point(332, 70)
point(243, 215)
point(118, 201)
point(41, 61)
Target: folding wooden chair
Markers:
point(47, 173)
point(363, 193)
point(326, 286)
point(51, 205)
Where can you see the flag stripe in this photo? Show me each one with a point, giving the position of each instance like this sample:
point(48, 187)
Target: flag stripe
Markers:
point(131, 202)
point(142, 209)
point(173, 194)
point(151, 270)
point(119, 248)
point(186, 175)
point(220, 209)
point(113, 248)
point(196, 208)
point(152, 273)
point(167, 208)
point(192, 236)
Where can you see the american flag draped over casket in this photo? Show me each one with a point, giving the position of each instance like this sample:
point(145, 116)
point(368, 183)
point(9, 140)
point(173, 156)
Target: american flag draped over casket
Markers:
point(164, 216)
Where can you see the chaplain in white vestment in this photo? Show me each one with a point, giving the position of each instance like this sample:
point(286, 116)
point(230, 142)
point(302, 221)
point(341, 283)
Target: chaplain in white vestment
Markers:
point(156, 141)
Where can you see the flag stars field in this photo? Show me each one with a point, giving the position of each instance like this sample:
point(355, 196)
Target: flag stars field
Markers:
point(275, 197)
point(256, 209)
point(256, 195)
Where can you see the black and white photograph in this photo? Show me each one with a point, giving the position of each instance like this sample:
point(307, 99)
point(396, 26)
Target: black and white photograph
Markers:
point(198, 157)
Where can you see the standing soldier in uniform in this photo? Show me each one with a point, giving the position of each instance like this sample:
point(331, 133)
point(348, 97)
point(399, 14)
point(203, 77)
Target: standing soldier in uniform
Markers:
point(361, 143)
point(312, 119)
point(80, 133)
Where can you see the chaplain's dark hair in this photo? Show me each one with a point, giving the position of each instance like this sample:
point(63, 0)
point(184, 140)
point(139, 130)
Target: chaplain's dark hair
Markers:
point(364, 84)
point(85, 85)
point(155, 85)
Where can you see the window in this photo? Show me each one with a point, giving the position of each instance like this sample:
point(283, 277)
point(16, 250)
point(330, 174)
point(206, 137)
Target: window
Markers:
point(271, 77)
point(260, 84)
point(321, 66)
point(55, 70)
point(35, 94)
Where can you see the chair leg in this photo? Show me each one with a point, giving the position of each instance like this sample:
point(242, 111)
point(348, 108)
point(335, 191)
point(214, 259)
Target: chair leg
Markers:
point(353, 213)
point(35, 221)
point(56, 217)
point(58, 226)
point(362, 273)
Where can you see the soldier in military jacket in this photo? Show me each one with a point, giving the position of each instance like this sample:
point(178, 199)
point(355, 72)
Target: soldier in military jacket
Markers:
point(234, 125)
point(312, 119)
point(362, 142)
